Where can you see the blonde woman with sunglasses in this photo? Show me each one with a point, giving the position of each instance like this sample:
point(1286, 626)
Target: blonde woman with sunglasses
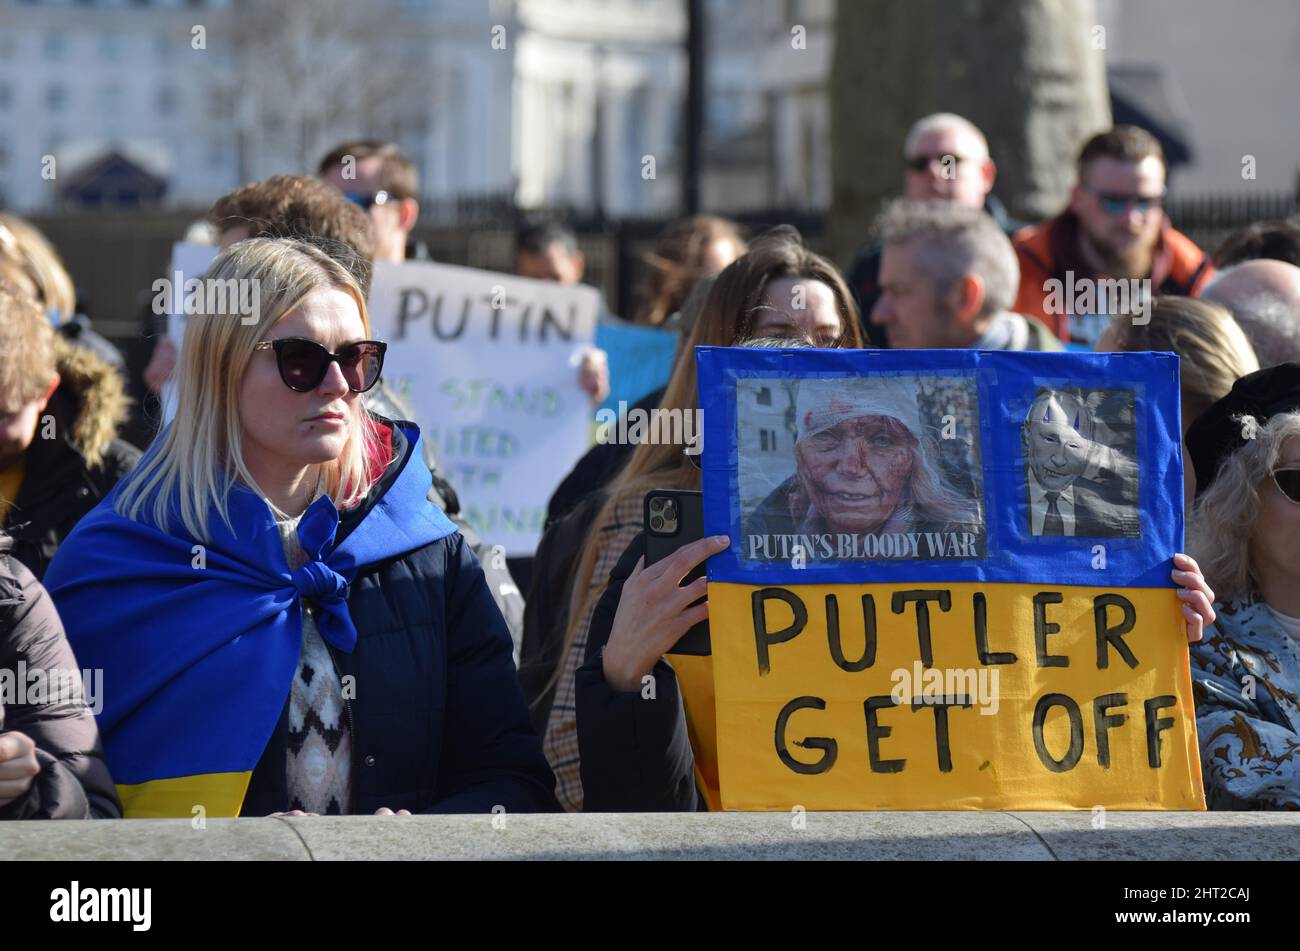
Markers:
point(285, 620)
point(1245, 531)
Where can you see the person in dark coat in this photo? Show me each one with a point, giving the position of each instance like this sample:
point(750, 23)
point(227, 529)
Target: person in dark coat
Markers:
point(290, 622)
point(635, 750)
point(59, 451)
point(51, 762)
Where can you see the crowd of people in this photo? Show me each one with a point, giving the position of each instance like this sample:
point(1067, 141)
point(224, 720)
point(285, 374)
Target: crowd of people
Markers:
point(291, 614)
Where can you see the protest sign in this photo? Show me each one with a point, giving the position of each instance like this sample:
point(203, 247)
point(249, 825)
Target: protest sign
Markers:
point(189, 263)
point(948, 584)
point(640, 361)
point(488, 363)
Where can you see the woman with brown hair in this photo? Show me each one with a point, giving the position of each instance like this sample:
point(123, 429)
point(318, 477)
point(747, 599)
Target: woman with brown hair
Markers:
point(686, 251)
point(779, 288)
point(1213, 353)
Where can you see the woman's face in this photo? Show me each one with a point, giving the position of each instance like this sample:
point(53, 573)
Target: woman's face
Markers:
point(1275, 536)
point(799, 307)
point(856, 472)
point(284, 430)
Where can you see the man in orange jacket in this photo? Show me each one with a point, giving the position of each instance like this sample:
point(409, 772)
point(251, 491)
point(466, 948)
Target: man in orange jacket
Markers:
point(1113, 248)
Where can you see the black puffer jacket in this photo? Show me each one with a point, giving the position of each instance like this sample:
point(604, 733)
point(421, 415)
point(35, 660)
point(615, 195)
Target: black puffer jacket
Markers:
point(382, 401)
point(74, 782)
point(68, 474)
point(635, 753)
point(438, 723)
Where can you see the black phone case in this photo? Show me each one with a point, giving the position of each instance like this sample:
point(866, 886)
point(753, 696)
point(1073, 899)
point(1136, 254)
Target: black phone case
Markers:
point(690, 528)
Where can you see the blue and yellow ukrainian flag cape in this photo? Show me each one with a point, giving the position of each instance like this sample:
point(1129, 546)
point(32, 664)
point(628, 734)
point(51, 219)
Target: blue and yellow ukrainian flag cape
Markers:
point(198, 642)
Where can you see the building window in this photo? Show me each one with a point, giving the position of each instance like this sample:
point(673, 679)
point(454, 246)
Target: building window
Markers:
point(56, 45)
point(767, 440)
point(110, 48)
point(764, 397)
point(221, 104)
point(216, 154)
point(111, 98)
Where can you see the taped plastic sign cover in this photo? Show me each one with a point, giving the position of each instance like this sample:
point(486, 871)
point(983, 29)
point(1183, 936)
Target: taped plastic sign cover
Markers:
point(949, 580)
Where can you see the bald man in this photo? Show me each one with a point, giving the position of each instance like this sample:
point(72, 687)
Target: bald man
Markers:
point(1264, 297)
point(945, 158)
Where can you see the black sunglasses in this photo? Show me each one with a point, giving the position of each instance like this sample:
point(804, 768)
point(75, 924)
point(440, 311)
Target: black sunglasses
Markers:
point(366, 201)
point(1288, 483)
point(921, 163)
point(303, 363)
point(1115, 203)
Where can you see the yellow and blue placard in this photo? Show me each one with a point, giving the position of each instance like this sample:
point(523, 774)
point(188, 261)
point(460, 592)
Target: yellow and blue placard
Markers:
point(948, 584)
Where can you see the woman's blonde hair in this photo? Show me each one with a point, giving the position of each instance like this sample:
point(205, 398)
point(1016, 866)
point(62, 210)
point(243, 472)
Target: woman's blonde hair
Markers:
point(1213, 351)
point(195, 463)
point(26, 250)
point(1224, 515)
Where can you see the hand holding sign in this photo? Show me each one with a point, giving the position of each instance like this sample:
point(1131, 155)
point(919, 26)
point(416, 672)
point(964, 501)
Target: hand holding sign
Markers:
point(593, 374)
point(1197, 598)
point(654, 612)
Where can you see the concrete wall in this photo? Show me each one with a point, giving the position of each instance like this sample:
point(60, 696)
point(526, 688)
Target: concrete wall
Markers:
point(1032, 836)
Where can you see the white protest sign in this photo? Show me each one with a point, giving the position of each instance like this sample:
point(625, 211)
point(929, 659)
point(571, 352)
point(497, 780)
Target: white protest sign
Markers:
point(189, 262)
point(489, 365)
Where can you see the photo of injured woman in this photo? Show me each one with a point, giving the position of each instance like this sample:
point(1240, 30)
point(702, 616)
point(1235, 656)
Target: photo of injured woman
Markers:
point(860, 468)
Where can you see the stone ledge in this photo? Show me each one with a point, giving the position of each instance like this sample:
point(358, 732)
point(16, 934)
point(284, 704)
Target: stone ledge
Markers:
point(1042, 836)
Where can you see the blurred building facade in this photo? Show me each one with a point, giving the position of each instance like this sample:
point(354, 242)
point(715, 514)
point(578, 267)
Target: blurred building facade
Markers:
point(571, 103)
point(558, 103)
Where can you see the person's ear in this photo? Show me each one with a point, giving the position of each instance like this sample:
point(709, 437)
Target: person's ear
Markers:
point(579, 265)
point(408, 212)
point(966, 299)
point(49, 392)
point(990, 174)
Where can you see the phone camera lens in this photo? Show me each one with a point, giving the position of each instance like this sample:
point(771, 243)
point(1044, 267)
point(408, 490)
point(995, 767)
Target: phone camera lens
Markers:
point(657, 523)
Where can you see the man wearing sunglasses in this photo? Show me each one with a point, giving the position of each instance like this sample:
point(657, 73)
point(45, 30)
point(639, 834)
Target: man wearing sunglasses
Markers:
point(382, 182)
point(1114, 229)
point(945, 158)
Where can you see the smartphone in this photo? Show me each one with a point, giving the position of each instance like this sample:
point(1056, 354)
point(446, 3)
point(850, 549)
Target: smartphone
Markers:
point(675, 518)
